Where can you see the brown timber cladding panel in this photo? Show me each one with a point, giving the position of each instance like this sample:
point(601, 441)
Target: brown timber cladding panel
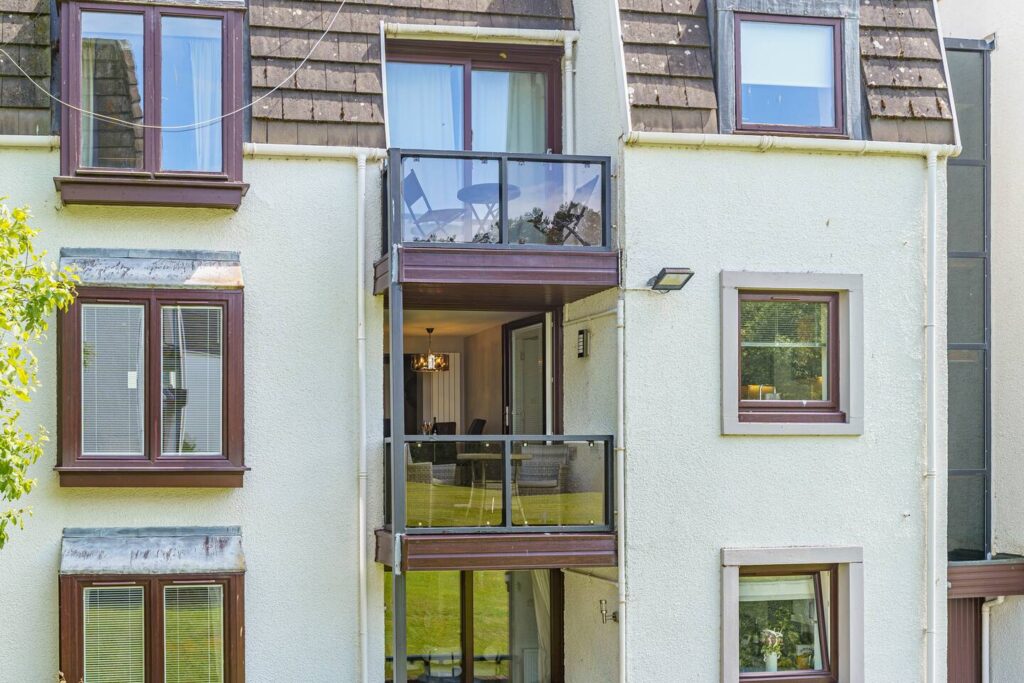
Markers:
point(963, 657)
point(504, 551)
point(337, 97)
point(25, 35)
point(670, 79)
point(905, 83)
point(985, 580)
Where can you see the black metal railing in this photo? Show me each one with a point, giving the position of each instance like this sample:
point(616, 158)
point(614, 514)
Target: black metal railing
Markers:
point(504, 483)
point(479, 199)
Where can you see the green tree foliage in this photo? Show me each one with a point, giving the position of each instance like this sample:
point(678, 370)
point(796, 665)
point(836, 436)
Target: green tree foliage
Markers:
point(30, 291)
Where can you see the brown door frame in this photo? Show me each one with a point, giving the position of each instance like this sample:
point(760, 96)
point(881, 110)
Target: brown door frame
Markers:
point(556, 368)
point(557, 625)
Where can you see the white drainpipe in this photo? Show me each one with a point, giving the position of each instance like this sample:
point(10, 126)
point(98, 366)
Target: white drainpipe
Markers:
point(620, 482)
point(931, 473)
point(364, 650)
point(569, 94)
point(986, 652)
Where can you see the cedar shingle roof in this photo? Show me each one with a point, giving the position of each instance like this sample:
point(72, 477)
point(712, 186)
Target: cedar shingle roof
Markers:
point(671, 80)
point(337, 99)
point(669, 74)
point(905, 84)
point(25, 34)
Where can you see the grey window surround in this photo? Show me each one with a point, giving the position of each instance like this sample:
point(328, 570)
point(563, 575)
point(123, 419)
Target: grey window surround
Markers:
point(851, 350)
point(721, 17)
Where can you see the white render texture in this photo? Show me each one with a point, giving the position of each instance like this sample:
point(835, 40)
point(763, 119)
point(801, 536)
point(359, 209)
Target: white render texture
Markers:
point(692, 491)
point(297, 511)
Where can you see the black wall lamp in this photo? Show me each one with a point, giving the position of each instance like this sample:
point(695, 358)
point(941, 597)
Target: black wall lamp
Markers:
point(670, 279)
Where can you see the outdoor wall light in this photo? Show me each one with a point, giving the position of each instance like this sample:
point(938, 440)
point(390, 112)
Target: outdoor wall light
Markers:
point(607, 616)
point(583, 343)
point(670, 279)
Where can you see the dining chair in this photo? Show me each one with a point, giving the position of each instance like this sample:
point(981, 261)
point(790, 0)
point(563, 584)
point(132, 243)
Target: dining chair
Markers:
point(412, 194)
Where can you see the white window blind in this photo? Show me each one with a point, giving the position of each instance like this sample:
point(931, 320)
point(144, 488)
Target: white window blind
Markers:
point(113, 379)
point(784, 324)
point(192, 380)
point(795, 55)
point(114, 633)
point(194, 634)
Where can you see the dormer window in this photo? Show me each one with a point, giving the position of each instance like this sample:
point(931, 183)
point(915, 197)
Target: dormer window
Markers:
point(155, 87)
point(789, 74)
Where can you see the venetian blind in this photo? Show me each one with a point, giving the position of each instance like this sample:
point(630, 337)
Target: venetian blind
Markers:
point(194, 634)
point(783, 323)
point(192, 380)
point(114, 631)
point(113, 379)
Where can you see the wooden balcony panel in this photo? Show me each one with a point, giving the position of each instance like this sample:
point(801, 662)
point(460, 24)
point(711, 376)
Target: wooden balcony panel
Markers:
point(451, 552)
point(985, 579)
point(511, 278)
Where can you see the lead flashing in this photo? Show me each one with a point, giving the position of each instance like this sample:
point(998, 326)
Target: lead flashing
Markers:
point(155, 268)
point(146, 551)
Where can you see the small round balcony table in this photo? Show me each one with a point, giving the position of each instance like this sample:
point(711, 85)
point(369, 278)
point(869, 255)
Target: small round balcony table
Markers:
point(486, 195)
point(482, 459)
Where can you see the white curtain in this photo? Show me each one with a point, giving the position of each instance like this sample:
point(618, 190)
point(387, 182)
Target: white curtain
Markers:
point(425, 106)
point(541, 581)
point(509, 111)
point(205, 59)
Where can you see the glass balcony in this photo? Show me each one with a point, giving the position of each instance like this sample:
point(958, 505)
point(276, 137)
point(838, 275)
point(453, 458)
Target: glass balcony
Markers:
point(506, 483)
point(478, 199)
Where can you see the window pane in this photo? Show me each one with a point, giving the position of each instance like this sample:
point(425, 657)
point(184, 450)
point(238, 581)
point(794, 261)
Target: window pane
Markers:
point(191, 379)
point(491, 625)
point(966, 208)
point(194, 634)
point(191, 92)
point(784, 350)
point(966, 410)
point(555, 203)
point(779, 623)
point(112, 86)
point(966, 527)
point(450, 200)
point(113, 380)
point(434, 631)
point(966, 75)
point(788, 74)
point(509, 111)
point(966, 300)
point(425, 105)
point(114, 633)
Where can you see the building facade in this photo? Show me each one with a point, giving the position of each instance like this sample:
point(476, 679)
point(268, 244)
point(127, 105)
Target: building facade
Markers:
point(548, 341)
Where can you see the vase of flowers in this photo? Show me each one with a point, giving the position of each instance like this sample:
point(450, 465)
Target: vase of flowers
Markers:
point(771, 648)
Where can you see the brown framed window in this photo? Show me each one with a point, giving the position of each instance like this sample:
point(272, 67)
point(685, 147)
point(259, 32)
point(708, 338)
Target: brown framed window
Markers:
point(152, 388)
point(789, 357)
point(157, 86)
point(479, 97)
point(152, 629)
point(788, 624)
point(789, 74)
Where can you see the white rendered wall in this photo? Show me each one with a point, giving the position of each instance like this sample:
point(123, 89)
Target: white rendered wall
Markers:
point(979, 19)
point(691, 490)
point(295, 231)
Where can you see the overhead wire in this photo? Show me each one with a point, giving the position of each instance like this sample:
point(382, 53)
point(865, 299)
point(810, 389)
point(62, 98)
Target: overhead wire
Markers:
point(189, 126)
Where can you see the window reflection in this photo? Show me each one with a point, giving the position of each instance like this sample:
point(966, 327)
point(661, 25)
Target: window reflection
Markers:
point(112, 86)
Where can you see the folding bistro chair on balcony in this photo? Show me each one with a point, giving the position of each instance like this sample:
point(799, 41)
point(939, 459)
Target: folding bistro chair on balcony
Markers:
point(431, 474)
point(578, 208)
point(412, 193)
point(545, 472)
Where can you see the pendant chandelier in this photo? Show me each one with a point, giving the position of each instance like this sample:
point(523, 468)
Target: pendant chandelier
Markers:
point(430, 361)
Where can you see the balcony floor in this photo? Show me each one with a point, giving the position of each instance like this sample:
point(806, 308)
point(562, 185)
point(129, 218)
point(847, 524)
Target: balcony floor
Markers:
point(497, 277)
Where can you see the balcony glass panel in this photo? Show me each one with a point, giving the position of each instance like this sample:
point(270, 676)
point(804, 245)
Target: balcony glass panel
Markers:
point(450, 200)
point(555, 203)
point(454, 484)
point(559, 483)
